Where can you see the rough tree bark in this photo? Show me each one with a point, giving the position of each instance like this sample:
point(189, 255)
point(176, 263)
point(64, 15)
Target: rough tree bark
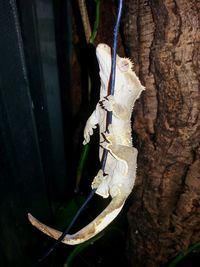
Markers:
point(163, 38)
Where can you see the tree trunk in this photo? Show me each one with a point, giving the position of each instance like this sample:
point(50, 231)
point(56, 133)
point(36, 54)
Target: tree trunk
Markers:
point(163, 37)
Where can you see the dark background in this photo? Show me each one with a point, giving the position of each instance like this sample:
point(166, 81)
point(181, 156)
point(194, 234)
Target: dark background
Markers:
point(33, 161)
point(38, 144)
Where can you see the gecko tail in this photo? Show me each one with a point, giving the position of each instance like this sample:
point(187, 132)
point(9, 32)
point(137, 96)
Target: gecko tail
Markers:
point(89, 231)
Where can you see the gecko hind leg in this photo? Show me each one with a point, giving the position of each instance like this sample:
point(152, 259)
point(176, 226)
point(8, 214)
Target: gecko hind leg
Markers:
point(100, 183)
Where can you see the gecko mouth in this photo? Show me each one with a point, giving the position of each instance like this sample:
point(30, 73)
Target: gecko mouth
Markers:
point(89, 231)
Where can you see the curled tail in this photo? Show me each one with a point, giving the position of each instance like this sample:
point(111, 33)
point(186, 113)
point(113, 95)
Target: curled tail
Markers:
point(89, 231)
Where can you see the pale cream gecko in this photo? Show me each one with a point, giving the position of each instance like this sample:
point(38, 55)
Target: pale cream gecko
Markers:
point(121, 163)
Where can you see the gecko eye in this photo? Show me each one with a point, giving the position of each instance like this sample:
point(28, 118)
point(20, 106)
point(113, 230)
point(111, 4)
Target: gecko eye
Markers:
point(125, 64)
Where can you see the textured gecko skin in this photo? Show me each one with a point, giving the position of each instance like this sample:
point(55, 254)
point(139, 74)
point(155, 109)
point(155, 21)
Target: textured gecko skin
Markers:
point(119, 174)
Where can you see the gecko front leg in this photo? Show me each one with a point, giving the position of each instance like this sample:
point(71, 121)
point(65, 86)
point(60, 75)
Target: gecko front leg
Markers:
point(109, 104)
point(91, 124)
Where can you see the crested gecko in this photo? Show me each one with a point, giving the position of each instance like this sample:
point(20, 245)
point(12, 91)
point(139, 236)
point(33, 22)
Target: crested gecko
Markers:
point(117, 179)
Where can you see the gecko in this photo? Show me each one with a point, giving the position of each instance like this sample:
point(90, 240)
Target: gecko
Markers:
point(118, 177)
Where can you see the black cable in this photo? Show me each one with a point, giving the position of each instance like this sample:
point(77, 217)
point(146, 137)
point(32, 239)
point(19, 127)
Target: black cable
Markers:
point(57, 242)
point(112, 80)
point(114, 55)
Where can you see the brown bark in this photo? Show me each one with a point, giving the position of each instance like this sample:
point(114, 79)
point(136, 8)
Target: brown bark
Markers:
point(163, 37)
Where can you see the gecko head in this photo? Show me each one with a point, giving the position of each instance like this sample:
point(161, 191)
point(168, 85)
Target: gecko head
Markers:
point(127, 85)
point(104, 57)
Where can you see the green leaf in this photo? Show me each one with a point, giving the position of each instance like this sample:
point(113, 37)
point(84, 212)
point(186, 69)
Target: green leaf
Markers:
point(183, 254)
point(96, 23)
